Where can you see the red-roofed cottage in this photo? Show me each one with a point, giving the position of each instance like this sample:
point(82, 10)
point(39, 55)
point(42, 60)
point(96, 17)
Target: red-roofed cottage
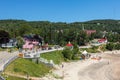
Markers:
point(104, 40)
point(69, 45)
point(89, 32)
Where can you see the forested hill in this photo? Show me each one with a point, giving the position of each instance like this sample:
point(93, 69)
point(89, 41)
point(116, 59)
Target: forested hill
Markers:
point(59, 31)
point(108, 24)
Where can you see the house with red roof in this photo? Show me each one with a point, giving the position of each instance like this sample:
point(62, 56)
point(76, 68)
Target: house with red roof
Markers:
point(69, 45)
point(103, 40)
point(89, 32)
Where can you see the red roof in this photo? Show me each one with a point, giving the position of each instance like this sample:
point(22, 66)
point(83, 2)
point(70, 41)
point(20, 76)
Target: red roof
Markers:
point(102, 40)
point(90, 31)
point(69, 45)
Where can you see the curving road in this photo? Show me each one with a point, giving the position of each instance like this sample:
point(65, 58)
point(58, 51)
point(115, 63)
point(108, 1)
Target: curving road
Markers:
point(5, 58)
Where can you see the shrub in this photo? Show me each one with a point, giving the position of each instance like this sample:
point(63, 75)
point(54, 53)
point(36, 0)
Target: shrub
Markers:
point(75, 52)
point(56, 56)
point(67, 53)
point(103, 47)
point(117, 46)
point(110, 46)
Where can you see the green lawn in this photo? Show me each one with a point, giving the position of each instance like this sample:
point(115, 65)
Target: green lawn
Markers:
point(56, 56)
point(90, 50)
point(14, 78)
point(25, 66)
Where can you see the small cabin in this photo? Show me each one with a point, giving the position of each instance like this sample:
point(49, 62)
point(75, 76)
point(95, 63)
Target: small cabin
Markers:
point(103, 40)
point(11, 43)
point(69, 45)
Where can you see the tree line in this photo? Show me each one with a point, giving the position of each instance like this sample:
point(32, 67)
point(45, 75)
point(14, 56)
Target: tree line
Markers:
point(61, 32)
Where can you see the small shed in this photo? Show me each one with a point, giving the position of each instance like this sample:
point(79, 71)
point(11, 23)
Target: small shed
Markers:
point(84, 52)
point(69, 45)
point(85, 55)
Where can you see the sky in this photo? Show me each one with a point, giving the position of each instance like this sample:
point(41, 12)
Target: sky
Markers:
point(60, 10)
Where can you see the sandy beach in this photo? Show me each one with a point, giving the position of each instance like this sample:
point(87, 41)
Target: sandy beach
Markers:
point(107, 68)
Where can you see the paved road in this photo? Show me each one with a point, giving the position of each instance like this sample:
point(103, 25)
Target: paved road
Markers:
point(5, 57)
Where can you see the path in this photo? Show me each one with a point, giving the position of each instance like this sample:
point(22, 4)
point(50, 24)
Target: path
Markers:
point(5, 57)
point(93, 69)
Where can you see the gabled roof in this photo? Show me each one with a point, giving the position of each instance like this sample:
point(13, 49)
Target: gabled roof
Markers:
point(90, 31)
point(69, 44)
point(102, 40)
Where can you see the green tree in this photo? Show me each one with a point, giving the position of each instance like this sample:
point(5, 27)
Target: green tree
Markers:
point(67, 53)
point(82, 38)
point(20, 42)
point(4, 36)
point(24, 29)
point(110, 46)
point(117, 46)
point(76, 53)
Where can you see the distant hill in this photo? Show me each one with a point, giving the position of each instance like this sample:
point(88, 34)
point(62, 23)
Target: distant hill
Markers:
point(99, 25)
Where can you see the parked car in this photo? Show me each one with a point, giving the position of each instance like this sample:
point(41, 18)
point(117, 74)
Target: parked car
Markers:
point(56, 46)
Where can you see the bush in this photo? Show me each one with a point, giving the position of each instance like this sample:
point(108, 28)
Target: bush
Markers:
point(94, 47)
point(71, 54)
point(117, 46)
point(67, 53)
point(113, 46)
point(103, 47)
point(75, 52)
point(110, 46)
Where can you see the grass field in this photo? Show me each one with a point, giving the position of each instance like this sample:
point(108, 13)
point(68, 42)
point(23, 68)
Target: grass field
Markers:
point(56, 56)
point(25, 66)
point(14, 78)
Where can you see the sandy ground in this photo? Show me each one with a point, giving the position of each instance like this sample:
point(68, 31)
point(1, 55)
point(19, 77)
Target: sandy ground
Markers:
point(108, 68)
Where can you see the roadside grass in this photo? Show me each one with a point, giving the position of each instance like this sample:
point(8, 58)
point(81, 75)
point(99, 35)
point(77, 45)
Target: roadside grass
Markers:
point(27, 67)
point(56, 56)
point(103, 47)
point(94, 49)
point(14, 78)
point(9, 49)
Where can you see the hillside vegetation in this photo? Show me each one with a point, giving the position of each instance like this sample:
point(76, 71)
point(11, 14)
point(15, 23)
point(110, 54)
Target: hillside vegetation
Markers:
point(56, 56)
point(24, 66)
point(61, 32)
